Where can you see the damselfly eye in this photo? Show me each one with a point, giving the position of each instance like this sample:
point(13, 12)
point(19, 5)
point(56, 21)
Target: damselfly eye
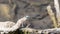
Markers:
point(27, 16)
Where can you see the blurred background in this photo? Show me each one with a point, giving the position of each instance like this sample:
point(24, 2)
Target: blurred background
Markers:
point(12, 10)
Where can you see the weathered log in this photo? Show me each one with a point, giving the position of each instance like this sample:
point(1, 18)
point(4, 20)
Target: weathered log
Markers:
point(14, 27)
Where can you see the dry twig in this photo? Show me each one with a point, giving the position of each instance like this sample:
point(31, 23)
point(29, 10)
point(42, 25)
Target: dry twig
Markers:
point(52, 16)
